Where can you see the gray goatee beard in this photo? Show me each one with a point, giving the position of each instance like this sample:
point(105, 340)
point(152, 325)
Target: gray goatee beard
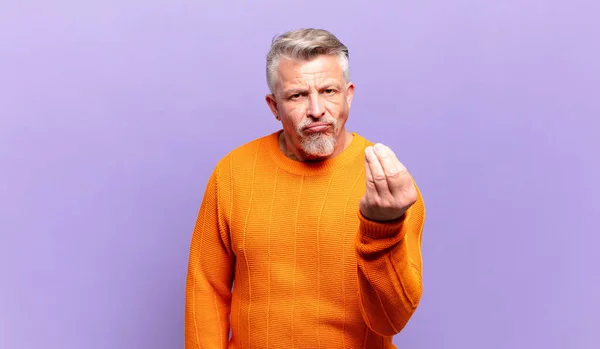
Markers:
point(318, 144)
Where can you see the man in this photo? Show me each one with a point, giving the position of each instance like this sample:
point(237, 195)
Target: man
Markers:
point(319, 228)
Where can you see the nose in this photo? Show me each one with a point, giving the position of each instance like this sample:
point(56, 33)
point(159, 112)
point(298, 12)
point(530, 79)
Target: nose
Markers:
point(316, 107)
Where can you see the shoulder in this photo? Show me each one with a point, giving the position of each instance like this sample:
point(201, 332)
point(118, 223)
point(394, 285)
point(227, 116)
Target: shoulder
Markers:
point(244, 155)
point(363, 140)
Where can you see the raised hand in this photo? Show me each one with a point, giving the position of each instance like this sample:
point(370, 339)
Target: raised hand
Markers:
point(390, 188)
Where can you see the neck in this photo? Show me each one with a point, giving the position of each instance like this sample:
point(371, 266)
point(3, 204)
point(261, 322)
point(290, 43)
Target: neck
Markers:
point(291, 152)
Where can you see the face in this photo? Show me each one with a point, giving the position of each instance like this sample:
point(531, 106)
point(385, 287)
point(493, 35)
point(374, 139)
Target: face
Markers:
point(312, 100)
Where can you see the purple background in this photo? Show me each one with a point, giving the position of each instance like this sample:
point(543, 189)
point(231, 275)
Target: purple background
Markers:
point(113, 113)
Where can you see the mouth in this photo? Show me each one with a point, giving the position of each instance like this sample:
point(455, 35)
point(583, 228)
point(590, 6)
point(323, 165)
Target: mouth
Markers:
point(317, 127)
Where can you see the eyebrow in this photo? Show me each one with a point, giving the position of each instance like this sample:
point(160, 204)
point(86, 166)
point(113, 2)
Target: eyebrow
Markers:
point(295, 90)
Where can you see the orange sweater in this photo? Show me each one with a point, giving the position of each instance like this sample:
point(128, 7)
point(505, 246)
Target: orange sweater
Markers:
point(310, 271)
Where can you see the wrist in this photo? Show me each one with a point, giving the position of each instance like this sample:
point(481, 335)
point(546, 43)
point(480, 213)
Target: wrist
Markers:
point(381, 228)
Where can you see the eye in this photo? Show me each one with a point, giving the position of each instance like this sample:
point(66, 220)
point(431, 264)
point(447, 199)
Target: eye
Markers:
point(329, 91)
point(295, 96)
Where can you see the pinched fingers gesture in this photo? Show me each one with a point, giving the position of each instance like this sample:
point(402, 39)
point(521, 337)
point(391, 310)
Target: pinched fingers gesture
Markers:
point(390, 188)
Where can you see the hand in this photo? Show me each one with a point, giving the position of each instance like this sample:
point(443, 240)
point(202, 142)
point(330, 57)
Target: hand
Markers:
point(390, 188)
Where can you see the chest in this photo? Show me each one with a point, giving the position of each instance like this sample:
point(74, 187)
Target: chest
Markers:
point(291, 218)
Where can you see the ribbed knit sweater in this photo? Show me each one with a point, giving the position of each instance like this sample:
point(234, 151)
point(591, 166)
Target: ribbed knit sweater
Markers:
point(282, 256)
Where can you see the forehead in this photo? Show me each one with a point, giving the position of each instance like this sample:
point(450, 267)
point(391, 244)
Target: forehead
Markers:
point(317, 70)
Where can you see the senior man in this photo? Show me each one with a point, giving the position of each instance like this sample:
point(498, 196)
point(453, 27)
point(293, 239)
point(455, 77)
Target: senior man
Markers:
point(308, 237)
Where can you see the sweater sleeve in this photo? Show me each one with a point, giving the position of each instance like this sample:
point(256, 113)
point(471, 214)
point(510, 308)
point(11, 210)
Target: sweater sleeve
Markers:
point(389, 269)
point(209, 277)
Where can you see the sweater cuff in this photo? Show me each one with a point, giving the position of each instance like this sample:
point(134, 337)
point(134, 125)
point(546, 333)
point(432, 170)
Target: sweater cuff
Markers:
point(378, 230)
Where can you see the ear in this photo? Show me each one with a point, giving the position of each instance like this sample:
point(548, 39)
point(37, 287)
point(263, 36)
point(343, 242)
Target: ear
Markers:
point(349, 93)
point(272, 103)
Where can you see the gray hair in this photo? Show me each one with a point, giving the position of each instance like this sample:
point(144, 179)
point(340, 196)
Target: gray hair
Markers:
point(304, 44)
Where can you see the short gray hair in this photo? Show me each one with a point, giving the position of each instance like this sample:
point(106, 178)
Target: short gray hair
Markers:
point(304, 44)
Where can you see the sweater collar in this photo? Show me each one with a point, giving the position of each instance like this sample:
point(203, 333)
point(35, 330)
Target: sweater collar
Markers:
point(346, 157)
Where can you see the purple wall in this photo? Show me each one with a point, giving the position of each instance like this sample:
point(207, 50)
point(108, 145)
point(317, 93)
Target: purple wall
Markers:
point(113, 113)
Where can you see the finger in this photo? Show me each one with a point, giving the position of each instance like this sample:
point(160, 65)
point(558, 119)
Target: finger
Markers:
point(396, 173)
point(371, 196)
point(369, 174)
point(387, 159)
point(379, 179)
point(399, 179)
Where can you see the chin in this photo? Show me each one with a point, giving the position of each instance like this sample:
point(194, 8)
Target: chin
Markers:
point(317, 146)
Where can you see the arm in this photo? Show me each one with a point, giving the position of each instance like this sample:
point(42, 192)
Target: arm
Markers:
point(209, 277)
point(388, 244)
point(389, 269)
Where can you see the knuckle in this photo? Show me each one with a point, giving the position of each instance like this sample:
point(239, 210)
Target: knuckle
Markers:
point(410, 195)
point(379, 176)
point(394, 173)
point(414, 197)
